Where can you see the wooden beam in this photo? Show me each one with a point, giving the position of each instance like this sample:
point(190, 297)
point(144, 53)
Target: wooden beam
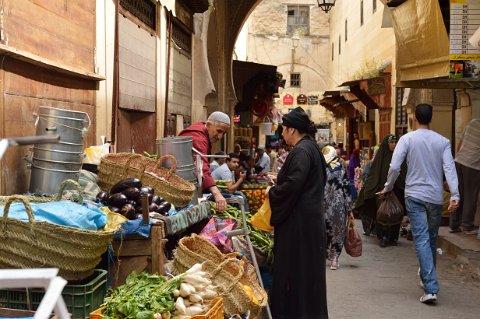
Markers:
point(364, 97)
point(48, 64)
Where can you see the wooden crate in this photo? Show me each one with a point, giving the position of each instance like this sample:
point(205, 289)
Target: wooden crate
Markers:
point(136, 253)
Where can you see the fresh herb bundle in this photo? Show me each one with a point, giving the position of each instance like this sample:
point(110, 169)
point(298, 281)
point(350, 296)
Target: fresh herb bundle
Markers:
point(142, 296)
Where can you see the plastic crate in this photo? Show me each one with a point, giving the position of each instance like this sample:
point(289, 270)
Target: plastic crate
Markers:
point(80, 299)
point(215, 311)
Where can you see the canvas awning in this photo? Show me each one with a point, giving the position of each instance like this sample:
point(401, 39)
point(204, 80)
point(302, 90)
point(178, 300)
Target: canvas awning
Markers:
point(422, 39)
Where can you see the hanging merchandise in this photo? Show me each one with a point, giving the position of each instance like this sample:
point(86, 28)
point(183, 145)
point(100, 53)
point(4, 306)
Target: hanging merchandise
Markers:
point(259, 107)
point(266, 127)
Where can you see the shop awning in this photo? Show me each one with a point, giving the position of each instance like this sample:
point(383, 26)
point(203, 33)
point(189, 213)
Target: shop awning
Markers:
point(373, 93)
point(422, 39)
point(337, 104)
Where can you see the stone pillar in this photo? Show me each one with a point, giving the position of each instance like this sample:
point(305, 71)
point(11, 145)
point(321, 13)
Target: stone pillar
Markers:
point(463, 113)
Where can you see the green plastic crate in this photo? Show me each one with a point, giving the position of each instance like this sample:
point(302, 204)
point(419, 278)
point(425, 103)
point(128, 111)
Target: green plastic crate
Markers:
point(80, 299)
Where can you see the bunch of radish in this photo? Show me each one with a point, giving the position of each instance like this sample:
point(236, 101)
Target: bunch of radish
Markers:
point(195, 294)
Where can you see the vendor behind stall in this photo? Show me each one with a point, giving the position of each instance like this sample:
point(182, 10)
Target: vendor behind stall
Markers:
point(204, 134)
point(226, 172)
point(262, 164)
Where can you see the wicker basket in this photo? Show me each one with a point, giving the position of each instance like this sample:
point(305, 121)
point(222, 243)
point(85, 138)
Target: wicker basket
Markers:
point(194, 249)
point(74, 251)
point(46, 199)
point(215, 311)
point(115, 167)
point(230, 276)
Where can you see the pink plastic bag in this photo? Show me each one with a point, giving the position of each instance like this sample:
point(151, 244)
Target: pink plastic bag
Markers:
point(215, 231)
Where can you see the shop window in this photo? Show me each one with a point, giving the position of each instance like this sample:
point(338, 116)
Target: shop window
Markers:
point(144, 10)
point(361, 13)
point(298, 20)
point(295, 80)
point(374, 6)
point(346, 30)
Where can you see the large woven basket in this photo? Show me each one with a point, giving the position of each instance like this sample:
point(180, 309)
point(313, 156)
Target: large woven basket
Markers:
point(50, 198)
point(173, 188)
point(194, 249)
point(227, 273)
point(229, 277)
point(74, 251)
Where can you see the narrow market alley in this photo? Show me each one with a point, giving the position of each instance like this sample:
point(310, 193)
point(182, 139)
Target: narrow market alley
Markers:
point(383, 283)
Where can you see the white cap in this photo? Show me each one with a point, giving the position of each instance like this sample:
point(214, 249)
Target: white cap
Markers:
point(219, 117)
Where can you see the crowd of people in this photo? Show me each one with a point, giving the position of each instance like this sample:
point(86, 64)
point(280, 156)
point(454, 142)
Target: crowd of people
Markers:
point(310, 229)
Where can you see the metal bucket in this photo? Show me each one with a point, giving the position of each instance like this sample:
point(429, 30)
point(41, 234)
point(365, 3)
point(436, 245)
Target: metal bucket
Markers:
point(57, 165)
point(53, 163)
point(181, 148)
point(55, 155)
point(47, 181)
point(70, 125)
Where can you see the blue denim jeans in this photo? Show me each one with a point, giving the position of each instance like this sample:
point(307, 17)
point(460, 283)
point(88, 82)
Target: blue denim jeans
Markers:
point(425, 220)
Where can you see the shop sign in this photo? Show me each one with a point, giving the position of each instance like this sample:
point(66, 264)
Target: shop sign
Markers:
point(288, 99)
point(302, 99)
point(312, 99)
point(464, 39)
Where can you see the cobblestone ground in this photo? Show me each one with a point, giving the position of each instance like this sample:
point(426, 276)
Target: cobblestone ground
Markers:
point(383, 284)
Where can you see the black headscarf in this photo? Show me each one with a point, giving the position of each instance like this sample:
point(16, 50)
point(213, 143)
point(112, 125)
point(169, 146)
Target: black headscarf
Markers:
point(298, 118)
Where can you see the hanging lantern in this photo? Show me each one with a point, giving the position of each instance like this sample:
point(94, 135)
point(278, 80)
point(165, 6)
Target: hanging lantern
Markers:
point(326, 5)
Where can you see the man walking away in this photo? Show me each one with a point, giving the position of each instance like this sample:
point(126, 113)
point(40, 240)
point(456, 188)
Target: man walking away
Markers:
point(429, 157)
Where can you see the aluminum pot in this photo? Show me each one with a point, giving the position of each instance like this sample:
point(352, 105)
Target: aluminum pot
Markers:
point(70, 125)
point(56, 155)
point(181, 148)
point(47, 181)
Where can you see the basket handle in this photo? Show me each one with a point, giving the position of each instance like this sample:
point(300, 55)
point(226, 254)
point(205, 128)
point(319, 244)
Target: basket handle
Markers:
point(130, 159)
point(172, 169)
point(64, 184)
point(25, 202)
point(236, 278)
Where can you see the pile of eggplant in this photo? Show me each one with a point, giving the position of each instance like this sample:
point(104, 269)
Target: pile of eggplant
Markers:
point(125, 199)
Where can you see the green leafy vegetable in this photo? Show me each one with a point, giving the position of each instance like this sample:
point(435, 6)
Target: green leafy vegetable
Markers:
point(142, 296)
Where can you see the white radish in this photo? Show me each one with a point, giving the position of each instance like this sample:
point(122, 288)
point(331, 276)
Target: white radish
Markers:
point(194, 269)
point(180, 306)
point(195, 298)
point(194, 310)
point(176, 293)
point(196, 280)
point(209, 294)
point(182, 317)
point(157, 316)
point(186, 290)
point(166, 315)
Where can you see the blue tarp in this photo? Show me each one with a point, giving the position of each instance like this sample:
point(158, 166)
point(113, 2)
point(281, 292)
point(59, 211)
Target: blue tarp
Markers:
point(63, 213)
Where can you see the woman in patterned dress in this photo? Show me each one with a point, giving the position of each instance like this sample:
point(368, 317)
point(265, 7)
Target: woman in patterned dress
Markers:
point(337, 203)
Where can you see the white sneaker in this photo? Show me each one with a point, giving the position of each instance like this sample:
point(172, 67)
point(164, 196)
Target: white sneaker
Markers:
point(429, 298)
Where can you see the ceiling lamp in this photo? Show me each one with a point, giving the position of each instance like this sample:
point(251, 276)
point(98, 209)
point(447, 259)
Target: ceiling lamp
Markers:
point(326, 5)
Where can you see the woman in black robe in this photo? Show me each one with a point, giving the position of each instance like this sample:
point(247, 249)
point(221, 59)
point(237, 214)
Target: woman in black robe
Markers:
point(299, 286)
point(368, 202)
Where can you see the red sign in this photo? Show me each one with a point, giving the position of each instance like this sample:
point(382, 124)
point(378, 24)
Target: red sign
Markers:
point(288, 99)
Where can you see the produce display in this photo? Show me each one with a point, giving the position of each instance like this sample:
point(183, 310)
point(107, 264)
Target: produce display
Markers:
point(125, 198)
point(255, 194)
point(147, 296)
point(261, 240)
